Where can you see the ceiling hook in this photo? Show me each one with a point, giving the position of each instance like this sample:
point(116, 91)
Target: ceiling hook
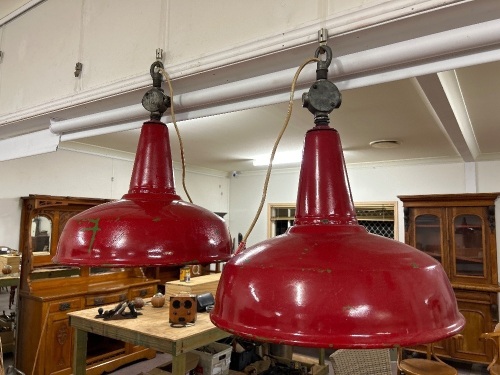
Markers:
point(155, 73)
point(324, 49)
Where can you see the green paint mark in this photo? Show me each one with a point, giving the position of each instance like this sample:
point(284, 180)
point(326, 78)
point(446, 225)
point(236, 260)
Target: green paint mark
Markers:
point(415, 265)
point(94, 229)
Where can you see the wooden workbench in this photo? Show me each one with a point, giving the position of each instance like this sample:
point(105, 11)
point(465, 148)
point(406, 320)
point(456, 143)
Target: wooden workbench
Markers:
point(151, 330)
point(12, 279)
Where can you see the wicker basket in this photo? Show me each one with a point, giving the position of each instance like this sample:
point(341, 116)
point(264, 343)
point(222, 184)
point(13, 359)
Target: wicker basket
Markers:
point(361, 362)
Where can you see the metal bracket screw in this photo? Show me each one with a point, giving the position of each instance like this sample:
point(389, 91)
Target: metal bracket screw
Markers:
point(78, 69)
point(322, 36)
point(159, 54)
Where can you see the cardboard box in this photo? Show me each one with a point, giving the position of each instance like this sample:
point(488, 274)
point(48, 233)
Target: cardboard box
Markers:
point(7, 340)
point(214, 359)
point(197, 285)
point(11, 260)
point(6, 335)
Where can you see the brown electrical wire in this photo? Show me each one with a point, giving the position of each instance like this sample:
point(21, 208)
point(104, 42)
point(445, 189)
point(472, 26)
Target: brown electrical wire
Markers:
point(273, 152)
point(242, 244)
point(172, 111)
point(44, 327)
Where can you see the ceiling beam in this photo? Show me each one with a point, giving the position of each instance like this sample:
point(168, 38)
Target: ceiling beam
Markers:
point(465, 46)
point(439, 103)
point(453, 91)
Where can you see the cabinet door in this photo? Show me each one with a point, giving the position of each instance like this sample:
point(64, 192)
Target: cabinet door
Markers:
point(58, 349)
point(471, 261)
point(477, 308)
point(427, 232)
point(59, 344)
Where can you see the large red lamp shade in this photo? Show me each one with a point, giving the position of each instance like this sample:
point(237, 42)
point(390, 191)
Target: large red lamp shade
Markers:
point(326, 282)
point(150, 225)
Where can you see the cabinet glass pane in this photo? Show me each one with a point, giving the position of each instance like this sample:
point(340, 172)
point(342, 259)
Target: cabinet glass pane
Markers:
point(428, 235)
point(468, 240)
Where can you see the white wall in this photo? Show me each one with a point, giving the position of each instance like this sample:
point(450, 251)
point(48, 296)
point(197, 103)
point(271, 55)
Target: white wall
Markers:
point(76, 174)
point(116, 40)
point(68, 173)
point(368, 183)
point(488, 176)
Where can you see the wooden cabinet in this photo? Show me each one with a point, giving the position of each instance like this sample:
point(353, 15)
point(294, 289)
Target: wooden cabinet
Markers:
point(459, 231)
point(43, 218)
point(44, 343)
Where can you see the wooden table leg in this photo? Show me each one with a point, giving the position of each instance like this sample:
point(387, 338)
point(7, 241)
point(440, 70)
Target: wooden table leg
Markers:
point(178, 364)
point(322, 357)
point(80, 352)
point(12, 295)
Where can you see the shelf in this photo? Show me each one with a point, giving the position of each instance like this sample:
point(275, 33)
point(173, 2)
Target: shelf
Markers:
point(432, 254)
point(470, 260)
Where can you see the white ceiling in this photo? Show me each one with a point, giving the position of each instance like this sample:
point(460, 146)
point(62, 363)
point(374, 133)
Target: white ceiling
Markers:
point(447, 116)
point(399, 110)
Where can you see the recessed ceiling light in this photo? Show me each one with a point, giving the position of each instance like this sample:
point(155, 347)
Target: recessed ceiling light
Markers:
point(385, 143)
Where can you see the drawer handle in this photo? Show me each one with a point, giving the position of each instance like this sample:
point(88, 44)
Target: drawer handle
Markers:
point(98, 301)
point(64, 306)
point(143, 292)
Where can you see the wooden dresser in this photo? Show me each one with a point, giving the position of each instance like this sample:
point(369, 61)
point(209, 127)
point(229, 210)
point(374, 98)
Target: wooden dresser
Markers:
point(44, 338)
point(459, 231)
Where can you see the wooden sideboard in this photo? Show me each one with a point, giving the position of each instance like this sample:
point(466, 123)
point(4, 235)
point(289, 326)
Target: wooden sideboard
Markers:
point(44, 338)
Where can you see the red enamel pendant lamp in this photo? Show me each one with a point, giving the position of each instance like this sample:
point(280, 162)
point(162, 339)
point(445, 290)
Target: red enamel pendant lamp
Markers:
point(150, 225)
point(326, 282)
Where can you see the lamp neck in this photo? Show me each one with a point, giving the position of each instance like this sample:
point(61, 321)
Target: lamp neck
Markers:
point(324, 194)
point(153, 172)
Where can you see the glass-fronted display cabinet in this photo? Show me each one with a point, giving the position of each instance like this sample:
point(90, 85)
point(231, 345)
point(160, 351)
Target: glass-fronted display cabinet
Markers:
point(459, 238)
point(458, 230)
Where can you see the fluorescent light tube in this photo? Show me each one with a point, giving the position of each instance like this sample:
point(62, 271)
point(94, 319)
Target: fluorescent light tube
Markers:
point(279, 158)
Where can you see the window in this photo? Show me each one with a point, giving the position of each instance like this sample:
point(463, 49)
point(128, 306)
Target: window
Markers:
point(377, 217)
point(281, 217)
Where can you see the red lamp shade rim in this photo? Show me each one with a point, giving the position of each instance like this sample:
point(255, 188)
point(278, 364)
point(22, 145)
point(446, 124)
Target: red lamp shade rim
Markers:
point(335, 340)
point(370, 296)
point(144, 232)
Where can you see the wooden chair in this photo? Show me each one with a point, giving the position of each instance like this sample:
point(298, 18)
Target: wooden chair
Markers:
point(494, 366)
point(361, 362)
point(431, 365)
